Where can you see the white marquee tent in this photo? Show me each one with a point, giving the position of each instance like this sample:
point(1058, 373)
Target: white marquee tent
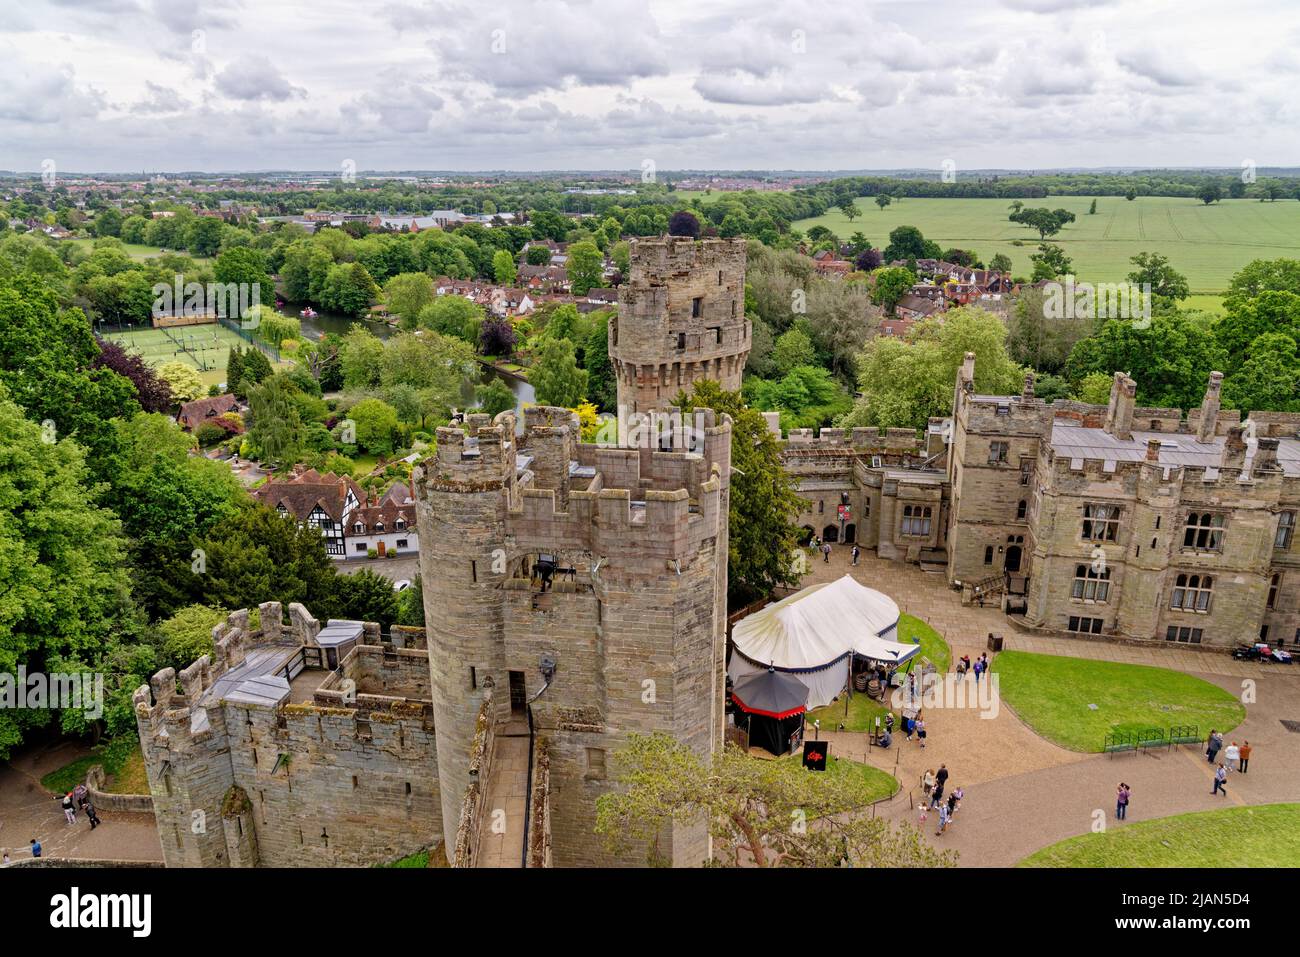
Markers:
point(815, 633)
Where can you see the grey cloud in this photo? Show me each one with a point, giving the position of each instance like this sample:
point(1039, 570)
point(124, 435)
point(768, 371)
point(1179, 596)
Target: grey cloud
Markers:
point(255, 77)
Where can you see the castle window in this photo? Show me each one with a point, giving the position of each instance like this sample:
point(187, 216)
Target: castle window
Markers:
point(916, 520)
point(1085, 626)
point(1192, 593)
point(1090, 584)
point(697, 307)
point(988, 554)
point(1183, 634)
point(1204, 531)
point(1026, 470)
point(821, 507)
point(998, 452)
point(1021, 507)
point(1285, 530)
point(681, 340)
point(595, 764)
point(1273, 585)
point(719, 277)
point(1100, 522)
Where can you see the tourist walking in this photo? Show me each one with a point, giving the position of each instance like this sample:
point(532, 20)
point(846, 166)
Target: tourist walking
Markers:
point(1220, 779)
point(826, 553)
point(944, 817)
point(927, 781)
point(36, 848)
point(955, 800)
point(1212, 746)
point(920, 729)
point(1122, 795)
point(1245, 755)
point(69, 812)
point(92, 814)
point(1231, 754)
point(856, 552)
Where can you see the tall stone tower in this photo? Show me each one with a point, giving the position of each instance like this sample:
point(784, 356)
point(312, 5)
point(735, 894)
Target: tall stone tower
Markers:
point(587, 586)
point(681, 320)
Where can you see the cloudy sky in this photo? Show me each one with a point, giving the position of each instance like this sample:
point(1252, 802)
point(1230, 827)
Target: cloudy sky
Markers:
point(129, 85)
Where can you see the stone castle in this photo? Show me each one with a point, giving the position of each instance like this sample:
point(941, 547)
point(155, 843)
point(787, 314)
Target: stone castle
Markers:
point(681, 320)
point(1130, 523)
point(574, 594)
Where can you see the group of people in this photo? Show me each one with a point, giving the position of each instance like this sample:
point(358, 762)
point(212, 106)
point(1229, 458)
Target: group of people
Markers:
point(933, 782)
point(79, 798)
point(1235, 758)
point(980, 667)
point(825, 549)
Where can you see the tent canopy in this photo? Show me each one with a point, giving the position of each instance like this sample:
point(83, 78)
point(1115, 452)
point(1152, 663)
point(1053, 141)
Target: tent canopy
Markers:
point(821, 625)
point(770, 693)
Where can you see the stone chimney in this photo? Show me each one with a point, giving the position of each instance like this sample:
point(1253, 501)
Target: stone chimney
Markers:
point(1234, 449)
point(1210, 408)
point(1119, 414)
point(1265, 456)
point(965, 380)
point(1153, 450)
point(1027, 392)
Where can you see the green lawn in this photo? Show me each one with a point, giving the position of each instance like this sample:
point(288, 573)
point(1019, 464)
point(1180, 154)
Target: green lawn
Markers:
point(1264, 836)
point(139, 251)
point(1206, 243)
point(878, 783)
point(862, 709)
point(121, 759)
point(1051, 694)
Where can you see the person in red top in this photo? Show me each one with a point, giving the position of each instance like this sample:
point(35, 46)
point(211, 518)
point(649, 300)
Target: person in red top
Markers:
point(1245, 756)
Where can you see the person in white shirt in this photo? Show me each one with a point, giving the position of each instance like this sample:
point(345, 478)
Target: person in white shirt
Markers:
point(1230, 755)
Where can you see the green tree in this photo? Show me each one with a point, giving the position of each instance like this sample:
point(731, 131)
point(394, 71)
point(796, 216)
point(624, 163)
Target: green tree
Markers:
point(494, 397)
point(602, 389)
point(1165, 281)
point(187, 635)
point(1263, 275)
point(585, 267)
point(555, 376)
point(361, 356)
point(1268, 378)
point(538, 255)
point(183, 379)
point(1095, 388)
point(1050, 262)
point(1171, 358)
point(883, 200)
point(794, 348)
point(406, 295)
point(762, 535)
point(64, 602)
point(453, 316)
point(276, 431)
point(1245, 320)
point(1000, 263)
point(247, 267)
point(349, 289)
point(503, 268)
point(905, 382)
point(1210, 193)
point(376, 425)
point(202, 236)
point(363, 596)
point(747, 806)
point(892, 283)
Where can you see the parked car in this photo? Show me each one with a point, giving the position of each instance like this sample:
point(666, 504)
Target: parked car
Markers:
point(1246, 653)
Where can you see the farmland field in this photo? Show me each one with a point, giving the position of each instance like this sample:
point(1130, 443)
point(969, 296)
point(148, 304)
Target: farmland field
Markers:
point(1206, 243)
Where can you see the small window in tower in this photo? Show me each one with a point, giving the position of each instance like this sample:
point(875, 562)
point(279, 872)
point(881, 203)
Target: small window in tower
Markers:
point(719, 277)
point(473, 678)
point(697, 307)
point(681, 340)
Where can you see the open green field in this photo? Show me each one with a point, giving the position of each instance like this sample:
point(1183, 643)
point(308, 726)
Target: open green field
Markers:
point(1263, 836)
point(1051, 694)
point(138, 251)
point(878, 783)
point(1206, 243)
point(205, 347)
point(859, 712)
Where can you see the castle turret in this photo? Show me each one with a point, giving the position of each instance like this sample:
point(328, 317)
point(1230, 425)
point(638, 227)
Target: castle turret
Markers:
point(463, 495)
point(681, 320)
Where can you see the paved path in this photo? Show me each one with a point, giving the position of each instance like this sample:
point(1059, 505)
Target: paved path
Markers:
point(507, 792)
point(27, 810)
point(1022, 792)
